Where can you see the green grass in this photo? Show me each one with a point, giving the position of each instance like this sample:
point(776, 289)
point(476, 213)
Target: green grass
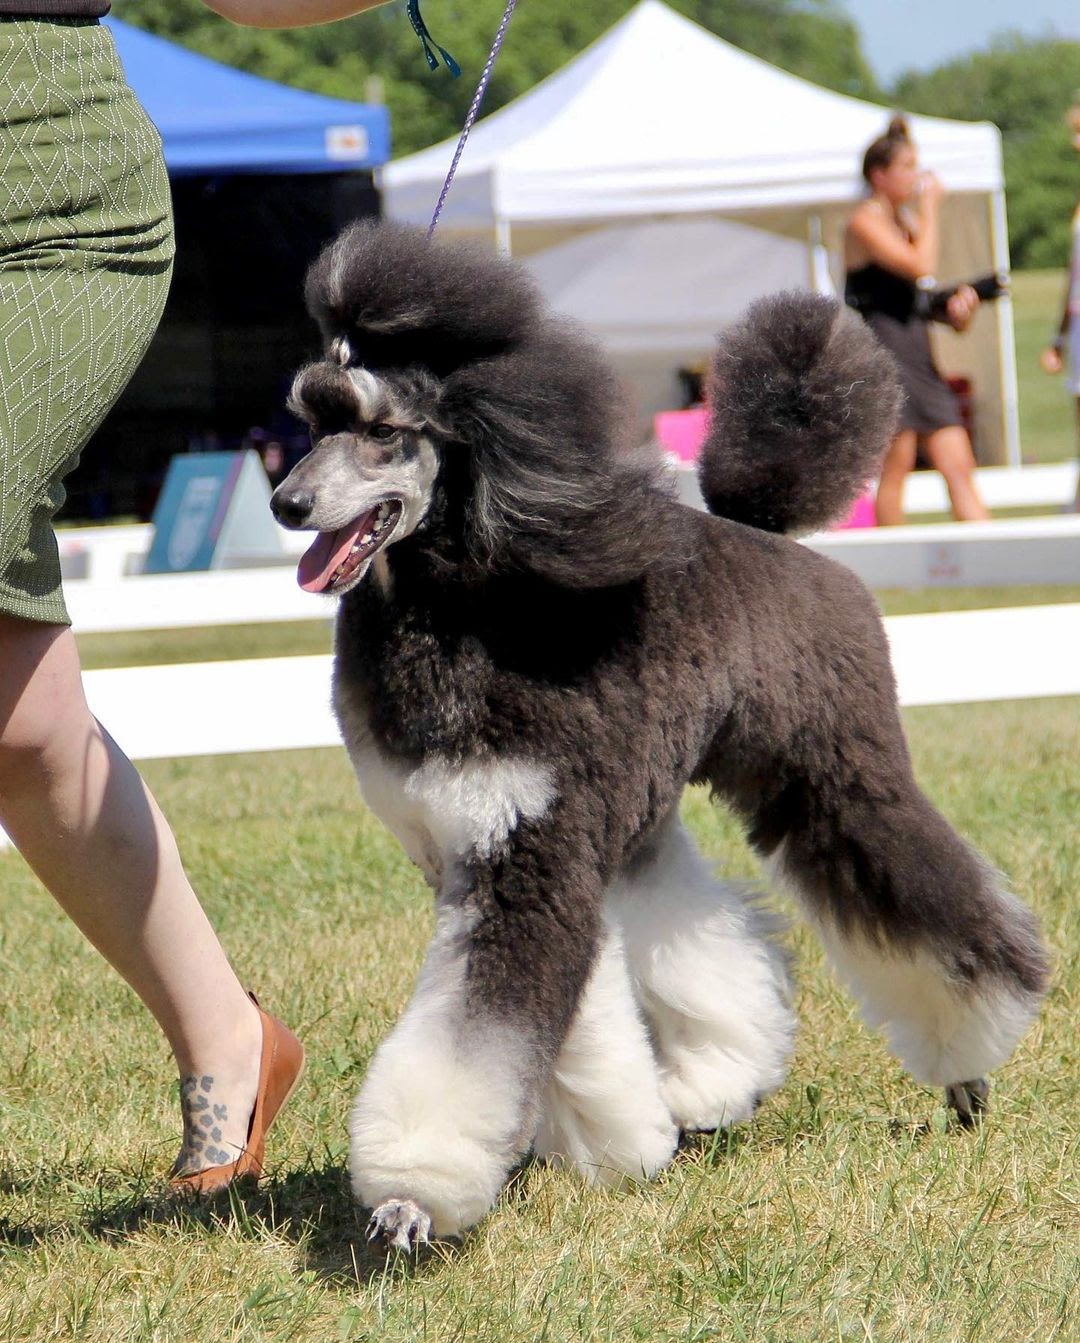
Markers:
point(847, 1210)
point(910, 601)
point(1048, 427)
point(207, 643)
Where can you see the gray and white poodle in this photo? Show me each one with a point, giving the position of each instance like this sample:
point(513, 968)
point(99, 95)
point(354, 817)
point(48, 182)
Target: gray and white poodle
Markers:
point(537, 649)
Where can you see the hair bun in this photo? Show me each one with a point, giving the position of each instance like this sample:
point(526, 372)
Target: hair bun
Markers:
point(898, 128)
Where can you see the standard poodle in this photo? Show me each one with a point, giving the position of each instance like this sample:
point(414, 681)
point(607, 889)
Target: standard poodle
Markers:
point(537, 649)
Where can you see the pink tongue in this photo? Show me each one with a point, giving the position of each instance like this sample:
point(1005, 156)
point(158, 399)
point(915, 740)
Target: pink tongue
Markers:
point(324, 555)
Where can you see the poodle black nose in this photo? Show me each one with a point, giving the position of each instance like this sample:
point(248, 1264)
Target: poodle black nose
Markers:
point(292, 508)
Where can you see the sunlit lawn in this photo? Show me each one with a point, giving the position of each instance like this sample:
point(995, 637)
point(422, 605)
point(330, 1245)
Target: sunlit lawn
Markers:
point(847, 1210)
point(1048, 427)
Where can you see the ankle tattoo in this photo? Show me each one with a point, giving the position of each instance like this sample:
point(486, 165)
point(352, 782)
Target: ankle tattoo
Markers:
point(202, 1124)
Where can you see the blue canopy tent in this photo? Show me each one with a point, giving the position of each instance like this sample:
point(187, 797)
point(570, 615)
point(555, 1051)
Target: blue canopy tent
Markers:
point(217, 120)
point(262, 176)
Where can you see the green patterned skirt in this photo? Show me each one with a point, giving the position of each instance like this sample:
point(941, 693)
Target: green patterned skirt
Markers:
point(86, 250)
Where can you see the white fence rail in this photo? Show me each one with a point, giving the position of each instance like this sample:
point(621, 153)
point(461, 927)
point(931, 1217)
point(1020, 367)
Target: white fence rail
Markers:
point(109, 553)
point(275, 704)
point(1050, 485)
point(948, 554)
point(179, 601)
point(959, 554)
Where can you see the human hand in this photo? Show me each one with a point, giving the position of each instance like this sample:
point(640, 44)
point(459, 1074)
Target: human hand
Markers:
point(1051, 360)
point(961, 307)
point(930, 189)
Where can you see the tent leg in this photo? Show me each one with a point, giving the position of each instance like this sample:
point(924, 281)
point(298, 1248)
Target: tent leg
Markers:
point(1003, 311)
point(502, 236)
point(820, 275)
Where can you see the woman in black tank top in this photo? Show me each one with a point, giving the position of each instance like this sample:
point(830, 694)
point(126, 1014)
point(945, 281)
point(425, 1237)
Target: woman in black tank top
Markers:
point(891, 242)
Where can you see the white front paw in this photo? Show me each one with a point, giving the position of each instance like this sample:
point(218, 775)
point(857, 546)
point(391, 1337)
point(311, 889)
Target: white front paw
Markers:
point(399, 1224)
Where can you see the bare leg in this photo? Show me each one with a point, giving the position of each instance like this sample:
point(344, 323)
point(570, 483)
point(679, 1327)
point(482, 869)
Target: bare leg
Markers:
point(899, 462)
point(85, 822)
point(949, 451)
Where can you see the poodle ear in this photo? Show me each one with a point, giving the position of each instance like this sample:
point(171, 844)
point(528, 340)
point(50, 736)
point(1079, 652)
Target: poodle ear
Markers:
point(551, 494)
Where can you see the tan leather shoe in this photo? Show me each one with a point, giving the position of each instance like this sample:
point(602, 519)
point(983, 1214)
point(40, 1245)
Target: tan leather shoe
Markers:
point(281, 1066)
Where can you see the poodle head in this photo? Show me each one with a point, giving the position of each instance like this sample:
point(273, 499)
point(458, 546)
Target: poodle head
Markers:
point(450, 408)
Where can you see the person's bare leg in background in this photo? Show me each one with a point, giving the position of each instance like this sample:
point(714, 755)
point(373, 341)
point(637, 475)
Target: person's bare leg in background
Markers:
point(949, 451)
point(898, 465)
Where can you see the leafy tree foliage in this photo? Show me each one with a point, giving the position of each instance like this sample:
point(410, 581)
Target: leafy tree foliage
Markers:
point(812, 38)
point(1025, 87)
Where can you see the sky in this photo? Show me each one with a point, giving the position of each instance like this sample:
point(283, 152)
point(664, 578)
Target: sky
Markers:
point(900, 35)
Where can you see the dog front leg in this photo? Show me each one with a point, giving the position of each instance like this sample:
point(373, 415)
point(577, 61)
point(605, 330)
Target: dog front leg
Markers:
point(451, 1100)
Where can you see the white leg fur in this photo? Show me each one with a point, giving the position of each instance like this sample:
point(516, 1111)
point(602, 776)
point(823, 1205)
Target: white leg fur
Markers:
point(602, 1111)
point(941, 1029)
point(439, 1119)
point(713, 986)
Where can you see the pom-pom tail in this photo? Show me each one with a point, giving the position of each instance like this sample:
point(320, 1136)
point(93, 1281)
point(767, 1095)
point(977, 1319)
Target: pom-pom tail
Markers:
point(805, 402)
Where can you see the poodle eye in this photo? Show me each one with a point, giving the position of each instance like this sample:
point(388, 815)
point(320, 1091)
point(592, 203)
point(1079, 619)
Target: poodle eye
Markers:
point(382, 431)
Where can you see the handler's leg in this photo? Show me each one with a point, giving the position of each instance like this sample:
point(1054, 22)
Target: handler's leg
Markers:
point(85, 822)
point(949, 451)
point(899, 463)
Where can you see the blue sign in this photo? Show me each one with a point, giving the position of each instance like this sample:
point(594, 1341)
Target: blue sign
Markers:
point(191, 511)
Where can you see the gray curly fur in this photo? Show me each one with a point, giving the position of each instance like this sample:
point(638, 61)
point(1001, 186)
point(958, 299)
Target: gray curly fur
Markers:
point(377, 282)
point(804, 402)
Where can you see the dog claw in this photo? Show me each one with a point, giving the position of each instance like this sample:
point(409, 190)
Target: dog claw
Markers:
point(399, 1224)
point(969, 1100)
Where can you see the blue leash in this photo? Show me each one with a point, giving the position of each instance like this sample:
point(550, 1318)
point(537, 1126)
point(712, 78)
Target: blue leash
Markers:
point(430, 47)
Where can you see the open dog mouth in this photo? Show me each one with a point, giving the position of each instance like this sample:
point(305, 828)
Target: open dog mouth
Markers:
point(334, 557)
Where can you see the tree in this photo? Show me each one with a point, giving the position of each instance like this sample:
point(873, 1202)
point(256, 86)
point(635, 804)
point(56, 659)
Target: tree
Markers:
point(1025, 87)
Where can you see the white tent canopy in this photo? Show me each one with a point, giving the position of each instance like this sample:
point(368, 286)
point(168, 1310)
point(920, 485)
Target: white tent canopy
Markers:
point(659, 118)
point(665, 285)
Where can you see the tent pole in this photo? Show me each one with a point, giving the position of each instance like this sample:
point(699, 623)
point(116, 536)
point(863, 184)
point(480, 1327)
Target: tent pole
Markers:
point(999, 237)
point(502, 235)
point(821, 281)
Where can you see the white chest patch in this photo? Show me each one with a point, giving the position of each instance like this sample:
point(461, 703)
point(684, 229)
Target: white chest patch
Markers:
point(442, 811)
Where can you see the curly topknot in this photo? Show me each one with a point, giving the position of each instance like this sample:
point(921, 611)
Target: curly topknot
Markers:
point(398, 299)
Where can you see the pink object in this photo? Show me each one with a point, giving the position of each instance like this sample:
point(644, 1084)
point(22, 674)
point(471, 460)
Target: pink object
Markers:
point(682, 432)
point(862, 513)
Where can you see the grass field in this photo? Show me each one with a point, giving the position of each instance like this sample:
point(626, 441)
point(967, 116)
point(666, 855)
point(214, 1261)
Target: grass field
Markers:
point(1048, 428)
point(848, 1210)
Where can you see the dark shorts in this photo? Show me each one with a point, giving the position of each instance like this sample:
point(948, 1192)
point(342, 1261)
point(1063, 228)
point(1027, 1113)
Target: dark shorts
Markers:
point(929, 401)
point(86, 249)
